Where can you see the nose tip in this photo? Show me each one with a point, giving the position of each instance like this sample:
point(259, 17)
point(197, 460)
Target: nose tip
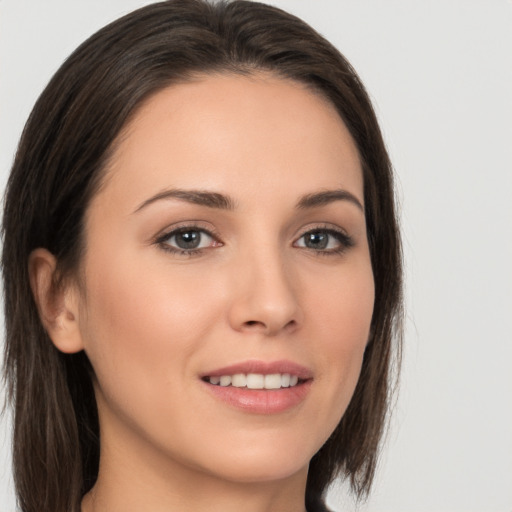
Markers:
point(266, 302)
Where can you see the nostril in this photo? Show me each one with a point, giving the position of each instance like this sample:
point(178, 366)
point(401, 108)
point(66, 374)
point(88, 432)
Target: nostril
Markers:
point(255, 324)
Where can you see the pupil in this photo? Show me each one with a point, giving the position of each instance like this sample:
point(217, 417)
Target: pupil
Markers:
point(188, 239)
point(316, 240)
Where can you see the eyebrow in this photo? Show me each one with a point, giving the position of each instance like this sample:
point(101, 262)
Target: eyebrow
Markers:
point(326, 197)
point(200, 197)
point(224, 202)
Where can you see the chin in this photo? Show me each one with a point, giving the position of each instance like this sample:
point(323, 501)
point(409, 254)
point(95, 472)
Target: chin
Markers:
point(246, 471)
point(260, 461)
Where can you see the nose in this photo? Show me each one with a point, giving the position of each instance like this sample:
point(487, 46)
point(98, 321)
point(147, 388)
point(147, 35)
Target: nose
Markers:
point(265, 298)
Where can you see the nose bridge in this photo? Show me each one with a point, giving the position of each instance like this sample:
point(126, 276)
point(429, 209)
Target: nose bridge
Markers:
point(266, 296)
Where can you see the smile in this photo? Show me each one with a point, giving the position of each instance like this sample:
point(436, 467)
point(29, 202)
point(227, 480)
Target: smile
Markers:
point(260, 387)
point(255, 380)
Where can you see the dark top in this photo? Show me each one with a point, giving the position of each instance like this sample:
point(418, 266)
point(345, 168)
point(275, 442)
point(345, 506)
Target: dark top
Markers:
point(317, 505)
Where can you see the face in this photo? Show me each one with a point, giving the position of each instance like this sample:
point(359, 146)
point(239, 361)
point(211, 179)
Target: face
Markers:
point(228, 290)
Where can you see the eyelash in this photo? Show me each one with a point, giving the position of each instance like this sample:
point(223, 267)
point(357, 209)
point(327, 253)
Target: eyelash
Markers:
point(345, 241)
point(162, 241)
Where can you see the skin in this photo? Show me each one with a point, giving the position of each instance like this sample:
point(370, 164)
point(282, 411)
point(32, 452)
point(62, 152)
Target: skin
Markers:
point(153, 321)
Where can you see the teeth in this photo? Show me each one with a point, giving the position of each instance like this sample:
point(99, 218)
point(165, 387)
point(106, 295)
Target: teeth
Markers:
point(256, 380)
point(273, 381)
point(225, 380)
point(239, 380)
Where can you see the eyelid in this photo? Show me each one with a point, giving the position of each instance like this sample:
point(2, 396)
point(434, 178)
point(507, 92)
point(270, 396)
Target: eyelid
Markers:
point(344, 239)
point(181, 227)
point(322, 226)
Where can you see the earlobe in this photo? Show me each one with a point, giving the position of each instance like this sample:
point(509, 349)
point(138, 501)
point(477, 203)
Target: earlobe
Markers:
point(57, 304)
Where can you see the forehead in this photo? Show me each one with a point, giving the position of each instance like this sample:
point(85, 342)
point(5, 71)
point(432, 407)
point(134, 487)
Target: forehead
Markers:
point(255, 132)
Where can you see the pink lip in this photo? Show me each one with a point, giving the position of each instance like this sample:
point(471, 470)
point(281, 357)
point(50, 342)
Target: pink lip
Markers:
point(265, 368)
point(261, 401)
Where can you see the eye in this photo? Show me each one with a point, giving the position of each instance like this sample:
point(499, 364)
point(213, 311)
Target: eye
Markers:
point(325, 240)
point(187, 240)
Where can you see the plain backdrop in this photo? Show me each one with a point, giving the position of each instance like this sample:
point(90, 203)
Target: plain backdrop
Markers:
point(440, 75)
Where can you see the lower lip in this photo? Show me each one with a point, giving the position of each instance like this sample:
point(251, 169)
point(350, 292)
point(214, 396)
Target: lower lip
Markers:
point(261, 401)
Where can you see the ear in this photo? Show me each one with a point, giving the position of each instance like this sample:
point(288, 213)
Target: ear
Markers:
point(58, 305)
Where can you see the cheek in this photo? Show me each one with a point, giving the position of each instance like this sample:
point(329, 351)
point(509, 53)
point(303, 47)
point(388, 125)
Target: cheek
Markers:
point(342, 307)
point(342, 316)
point(141, 318)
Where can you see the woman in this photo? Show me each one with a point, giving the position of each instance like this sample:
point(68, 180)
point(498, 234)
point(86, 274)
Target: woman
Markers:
point(202, 269)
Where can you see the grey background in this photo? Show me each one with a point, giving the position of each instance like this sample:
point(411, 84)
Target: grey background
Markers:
point(440, 74)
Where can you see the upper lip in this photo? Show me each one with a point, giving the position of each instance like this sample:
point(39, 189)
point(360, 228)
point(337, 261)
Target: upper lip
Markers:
point(262, 367)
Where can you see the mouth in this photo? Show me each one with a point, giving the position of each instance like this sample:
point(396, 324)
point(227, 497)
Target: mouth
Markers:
point(270, 381)
point(260, 387)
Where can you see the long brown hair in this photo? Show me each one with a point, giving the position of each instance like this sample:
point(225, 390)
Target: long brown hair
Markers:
point(58, 167)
